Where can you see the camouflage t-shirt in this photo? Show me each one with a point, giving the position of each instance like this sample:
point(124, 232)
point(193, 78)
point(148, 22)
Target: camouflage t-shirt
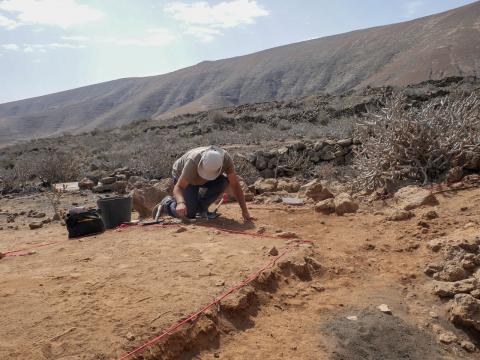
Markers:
point(187, 165)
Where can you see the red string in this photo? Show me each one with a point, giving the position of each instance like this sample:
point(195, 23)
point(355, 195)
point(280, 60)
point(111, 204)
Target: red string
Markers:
point(234, 288)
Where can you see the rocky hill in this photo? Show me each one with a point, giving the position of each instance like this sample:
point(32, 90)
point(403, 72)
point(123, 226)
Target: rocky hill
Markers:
point(446, 44)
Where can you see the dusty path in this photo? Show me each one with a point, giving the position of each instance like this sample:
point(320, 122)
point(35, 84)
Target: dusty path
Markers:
point(104, 295)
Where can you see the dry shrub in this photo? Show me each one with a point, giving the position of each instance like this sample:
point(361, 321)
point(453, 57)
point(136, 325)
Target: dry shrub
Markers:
point(56, 167)
point(245, 169)
point(405, 144)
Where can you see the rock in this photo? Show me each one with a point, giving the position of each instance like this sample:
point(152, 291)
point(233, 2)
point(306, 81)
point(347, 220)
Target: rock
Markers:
point(454, 175)
point(468, 346)
point(120, 186)
point(327, 153)
point(345, 142)
point(181, 229)
point(475, 293)
point(56, 217)
point(261, 163)
point(465, 311)
point(384, 308)
point(108, 180)
point(35, 225)
point(265, 185)
point(430, 215)
point(344, 204)
point(103, 188)
point(432, 269)
point(447, 337)
point(468, 243)
point(412, 197)
point(38, 215)
point(287, 235)
point(290, 186)
point(317, 190)
point(423, 224)
point(352, 318)
point(47, 221)
point(220, 283)
point(134, 180)
point(273, 251)
point(261, 230)
point(86, 184)
point(433, 315)
point(451, 272)
point(267, 173)
point(130, 336)
point(299, 146)
point(400, 215)
point(450, 289)
point(145, 199)
point(325, 207)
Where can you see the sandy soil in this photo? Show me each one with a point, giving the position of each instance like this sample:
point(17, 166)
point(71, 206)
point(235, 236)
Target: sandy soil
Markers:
point(99, 297)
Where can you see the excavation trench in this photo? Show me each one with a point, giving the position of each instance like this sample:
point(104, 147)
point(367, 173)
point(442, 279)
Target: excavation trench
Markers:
point(236, 312)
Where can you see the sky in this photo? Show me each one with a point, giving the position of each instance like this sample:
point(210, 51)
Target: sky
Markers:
point(54, 45)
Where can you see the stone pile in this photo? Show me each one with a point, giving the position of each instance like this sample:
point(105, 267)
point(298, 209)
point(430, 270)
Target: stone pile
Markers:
point(284, 162)
point(116, 181)
point(457, 277)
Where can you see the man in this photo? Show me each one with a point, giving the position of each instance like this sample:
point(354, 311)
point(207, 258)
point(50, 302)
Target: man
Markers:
point(208, 168)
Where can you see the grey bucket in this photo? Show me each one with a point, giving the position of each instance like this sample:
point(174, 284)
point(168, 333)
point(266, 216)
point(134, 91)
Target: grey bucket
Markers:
point(115, 210)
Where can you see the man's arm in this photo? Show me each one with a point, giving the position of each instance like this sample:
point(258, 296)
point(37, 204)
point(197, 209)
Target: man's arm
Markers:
point(181, 208)
point(239, 195)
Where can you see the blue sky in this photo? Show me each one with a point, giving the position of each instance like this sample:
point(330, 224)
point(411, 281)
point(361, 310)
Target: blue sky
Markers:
point(54, 45)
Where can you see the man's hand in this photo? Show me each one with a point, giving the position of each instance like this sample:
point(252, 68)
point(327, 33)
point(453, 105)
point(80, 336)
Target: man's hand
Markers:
point(247, 217)
point(181, 210)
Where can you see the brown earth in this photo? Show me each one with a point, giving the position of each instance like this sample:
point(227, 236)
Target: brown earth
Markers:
point(429, 48)
point(101, 296)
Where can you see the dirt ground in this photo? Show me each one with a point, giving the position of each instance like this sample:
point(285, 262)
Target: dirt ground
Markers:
point(102, 296)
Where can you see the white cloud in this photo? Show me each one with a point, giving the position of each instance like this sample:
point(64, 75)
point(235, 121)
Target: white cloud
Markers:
point(205, 21)
point(7, 23)
point(11, 47)
point(204, 34)
point(412, 7)
point(61, 13)
point(153, 37)
point(75, 38)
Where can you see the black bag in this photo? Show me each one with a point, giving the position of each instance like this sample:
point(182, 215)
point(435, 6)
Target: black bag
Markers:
point(87, 222)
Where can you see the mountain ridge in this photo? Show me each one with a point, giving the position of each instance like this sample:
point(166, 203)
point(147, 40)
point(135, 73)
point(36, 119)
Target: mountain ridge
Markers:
point(432, 47)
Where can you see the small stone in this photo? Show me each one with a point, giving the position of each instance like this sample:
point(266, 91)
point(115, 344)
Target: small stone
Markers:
point(318, 287)
point(352, 318)
point(433, 314)
point(430, 215)
point(469, 225)
point(220, 283)
point(181, 229)
point(273, 251)
point(325, 207)
point(216, 355)
point(56, 217)
point(423, 224)
point(261, 230)
point(447, 337)
point(400, 215)
point(468, 346)
point(130, 336)
point(385, 309)
point(35, 225)
point(344, 204)
point(287, 235)
point(108, 180)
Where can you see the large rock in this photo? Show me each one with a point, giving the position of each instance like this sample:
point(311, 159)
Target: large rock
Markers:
point(412, 197)
point(344, 204)
point(265, 185)
point(400, 215)
point(108, 180)
point(86, 184)
point(325, 207)
point(451, 272)
point(317, 190)
point(145, 199)
point(450, 289)
point(290, 186)
point(465, 311)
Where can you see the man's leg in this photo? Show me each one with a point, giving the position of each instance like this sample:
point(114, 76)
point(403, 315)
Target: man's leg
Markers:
point(190, 194)
point(214, 189)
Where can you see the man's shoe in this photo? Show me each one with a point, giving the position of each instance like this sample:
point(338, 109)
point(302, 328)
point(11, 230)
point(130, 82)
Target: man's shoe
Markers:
point(161, 209)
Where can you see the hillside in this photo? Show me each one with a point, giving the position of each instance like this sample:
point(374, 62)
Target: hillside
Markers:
point(446, 44)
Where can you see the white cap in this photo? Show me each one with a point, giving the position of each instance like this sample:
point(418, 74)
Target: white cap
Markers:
point(210, 165)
